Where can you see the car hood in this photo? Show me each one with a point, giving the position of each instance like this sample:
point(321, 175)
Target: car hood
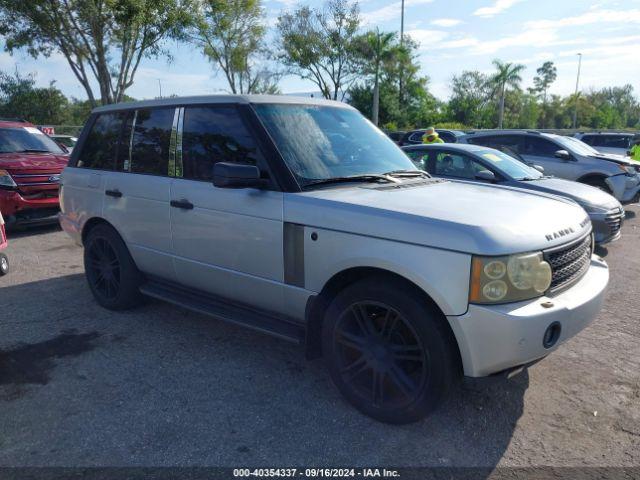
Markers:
point(581, 193)
point(612, 157)
point(479, 219)
point(32, 161)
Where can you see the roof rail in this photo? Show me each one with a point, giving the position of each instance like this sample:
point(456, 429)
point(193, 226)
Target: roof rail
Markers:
point(533, 131)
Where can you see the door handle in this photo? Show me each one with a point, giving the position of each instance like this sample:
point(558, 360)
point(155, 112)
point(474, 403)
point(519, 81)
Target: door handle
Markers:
point(113, 193)
point(183, 204)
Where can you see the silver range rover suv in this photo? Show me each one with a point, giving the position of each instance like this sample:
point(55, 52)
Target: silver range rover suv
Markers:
point(299, 218)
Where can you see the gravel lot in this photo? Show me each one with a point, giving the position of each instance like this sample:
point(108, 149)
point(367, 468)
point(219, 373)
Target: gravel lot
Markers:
point(81, 386)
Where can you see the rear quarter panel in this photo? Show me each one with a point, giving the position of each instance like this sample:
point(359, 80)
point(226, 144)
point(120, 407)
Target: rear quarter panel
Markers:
point(81, 198)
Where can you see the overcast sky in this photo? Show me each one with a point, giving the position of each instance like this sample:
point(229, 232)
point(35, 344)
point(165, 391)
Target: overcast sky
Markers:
point(454, 35)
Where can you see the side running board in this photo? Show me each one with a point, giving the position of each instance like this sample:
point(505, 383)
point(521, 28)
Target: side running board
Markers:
point(222, 310)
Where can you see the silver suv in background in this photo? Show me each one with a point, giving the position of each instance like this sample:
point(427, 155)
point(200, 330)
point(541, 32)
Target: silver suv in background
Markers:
point(605, 142)
point(566, 157)
point(299, 218)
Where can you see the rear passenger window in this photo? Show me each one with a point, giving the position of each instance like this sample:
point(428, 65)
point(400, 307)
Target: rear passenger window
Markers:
point(151, 140)
point(99, 148)
point(211, 135)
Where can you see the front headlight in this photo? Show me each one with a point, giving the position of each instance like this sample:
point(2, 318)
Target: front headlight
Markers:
point(509, 279)
point(630, 170)
point(6, 180)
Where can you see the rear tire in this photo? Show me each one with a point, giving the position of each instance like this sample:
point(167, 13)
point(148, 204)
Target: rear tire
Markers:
point(4, 265)
point(111, 273)
point(388, 350)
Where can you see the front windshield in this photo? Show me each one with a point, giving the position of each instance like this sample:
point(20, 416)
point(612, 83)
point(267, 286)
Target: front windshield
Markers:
point(27, 140)
point(508, 165)
point(577, 146)
point(323, 142)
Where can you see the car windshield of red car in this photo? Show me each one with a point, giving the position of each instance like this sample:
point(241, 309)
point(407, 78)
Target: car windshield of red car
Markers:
point(26, 140)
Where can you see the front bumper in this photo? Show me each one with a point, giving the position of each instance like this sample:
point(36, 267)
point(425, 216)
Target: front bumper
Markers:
point(17, 209)
point(607, 226)
point(493, 338)
point(625, 188)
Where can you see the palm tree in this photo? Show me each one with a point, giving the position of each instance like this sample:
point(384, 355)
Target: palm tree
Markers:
point(508, 74)
point(378, 47)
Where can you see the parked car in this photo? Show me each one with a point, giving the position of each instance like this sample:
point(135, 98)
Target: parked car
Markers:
point(4, 260)
point(30, 167)
point(481, 164)
point(68, 141)
point(400, 281)
point(396, 136)
point(414, 137)
point(605, 142)
point(566, 157)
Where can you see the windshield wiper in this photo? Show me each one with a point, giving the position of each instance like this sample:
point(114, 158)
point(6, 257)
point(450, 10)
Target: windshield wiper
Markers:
point(369, 177)
point(408, 173)
point(32, 150)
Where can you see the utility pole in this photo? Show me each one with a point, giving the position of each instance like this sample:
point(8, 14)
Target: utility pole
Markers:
point(400, 86)
point(160, 87)
point(575, 96)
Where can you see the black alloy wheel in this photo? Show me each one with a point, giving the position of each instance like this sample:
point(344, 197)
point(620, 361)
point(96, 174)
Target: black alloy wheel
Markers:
point(380, 356)
point(389, 349)
point(111, 273)
point(104, 268)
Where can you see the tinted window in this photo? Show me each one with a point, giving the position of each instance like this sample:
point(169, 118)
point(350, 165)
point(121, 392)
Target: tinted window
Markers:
point(151, 138)
point(99, 148)
point(418, 157)
point(416, 137)
point(540, 146)
point(590, 139)
point(211, 135)
point(447, 137)
point(514, 143)
point(456, 165)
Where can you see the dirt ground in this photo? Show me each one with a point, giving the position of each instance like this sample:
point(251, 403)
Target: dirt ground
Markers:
point(81, 386)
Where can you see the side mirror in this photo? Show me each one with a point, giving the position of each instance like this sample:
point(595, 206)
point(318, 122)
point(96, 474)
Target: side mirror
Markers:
point(237, 175)
point(486, 175)
point(540, 168)
point(563, 154)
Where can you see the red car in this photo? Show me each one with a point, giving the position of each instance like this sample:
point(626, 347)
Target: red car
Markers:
point(30, 167)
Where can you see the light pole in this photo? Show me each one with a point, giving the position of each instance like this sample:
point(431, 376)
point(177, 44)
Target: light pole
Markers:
point(160, 87)
point(575, 96)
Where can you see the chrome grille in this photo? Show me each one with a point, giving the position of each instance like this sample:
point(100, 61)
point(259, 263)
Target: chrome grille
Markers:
point(569, 263)
point(37, 183)
point(614, 220)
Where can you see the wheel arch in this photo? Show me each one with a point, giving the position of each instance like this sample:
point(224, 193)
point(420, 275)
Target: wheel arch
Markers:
point(317, 304)
point(92, 223)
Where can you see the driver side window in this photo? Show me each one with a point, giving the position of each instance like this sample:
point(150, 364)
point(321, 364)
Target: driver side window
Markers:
point(455, 165)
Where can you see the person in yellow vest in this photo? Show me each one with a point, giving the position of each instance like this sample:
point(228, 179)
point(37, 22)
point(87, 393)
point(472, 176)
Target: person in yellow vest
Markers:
point(634, 152)
point(431, 136)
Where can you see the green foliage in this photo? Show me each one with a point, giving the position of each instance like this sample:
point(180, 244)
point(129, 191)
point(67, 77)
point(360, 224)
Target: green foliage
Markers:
point(103, 41)
point(320, 45)
point(20, 98)
point(507, 75)
point(231, 35)
point(470, 102)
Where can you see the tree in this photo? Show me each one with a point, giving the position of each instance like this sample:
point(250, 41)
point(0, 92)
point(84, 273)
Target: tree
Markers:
point(19, 97)
point(469, 102)
point(507, 75)
point(417, 108)
point(546, 75)
point(231, 34)
point(102, 40)
point(376, 48)
point(319, 45)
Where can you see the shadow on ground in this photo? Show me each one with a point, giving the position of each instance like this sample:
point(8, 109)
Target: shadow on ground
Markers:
point(163, 386)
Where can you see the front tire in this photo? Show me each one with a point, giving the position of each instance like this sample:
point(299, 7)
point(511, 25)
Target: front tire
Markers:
point(111, 273)
point(598, 183)
point(388, 350)
point(4, 265)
